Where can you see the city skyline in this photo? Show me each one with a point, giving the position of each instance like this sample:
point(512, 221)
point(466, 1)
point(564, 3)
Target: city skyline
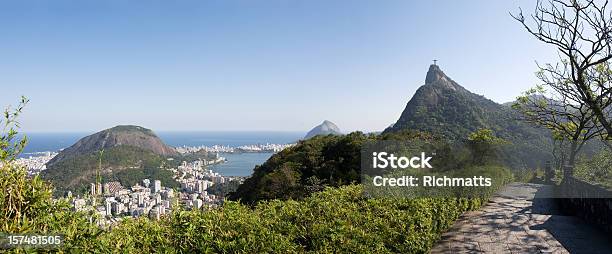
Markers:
point(252, 66)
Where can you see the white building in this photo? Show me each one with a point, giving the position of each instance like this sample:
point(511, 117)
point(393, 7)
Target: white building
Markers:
point(117, 208)
point(146, 183)
point(92, 189)
point(157, 186)
point(198, 203)
point(140, 200)
point(199, 186)
point(108, 208)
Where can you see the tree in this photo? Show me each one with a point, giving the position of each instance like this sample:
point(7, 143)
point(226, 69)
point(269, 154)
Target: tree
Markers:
point(26, 204)
point(10, 147)
point(581, 32)
point(569, 118)
point(483, 144)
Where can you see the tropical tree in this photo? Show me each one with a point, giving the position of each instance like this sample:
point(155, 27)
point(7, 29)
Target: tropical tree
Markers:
point(581, 31)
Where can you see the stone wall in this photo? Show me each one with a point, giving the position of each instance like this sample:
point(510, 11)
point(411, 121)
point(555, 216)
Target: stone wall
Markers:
point(596, 209)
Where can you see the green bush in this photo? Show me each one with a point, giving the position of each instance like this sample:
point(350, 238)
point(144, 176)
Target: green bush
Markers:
point(312, 164)
point(335, 220)
point(338, 219)
point(26, 206)
point(597, 169)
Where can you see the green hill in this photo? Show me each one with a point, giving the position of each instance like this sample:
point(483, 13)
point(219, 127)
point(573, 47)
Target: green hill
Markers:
point(131, 154)
point(313, 163)
point(126, 164)
point(128, 135)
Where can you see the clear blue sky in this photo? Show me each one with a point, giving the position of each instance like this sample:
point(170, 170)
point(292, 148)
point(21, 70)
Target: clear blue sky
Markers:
point(251, 65)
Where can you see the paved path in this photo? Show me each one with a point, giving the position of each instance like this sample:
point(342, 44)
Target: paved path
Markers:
point(514, 222)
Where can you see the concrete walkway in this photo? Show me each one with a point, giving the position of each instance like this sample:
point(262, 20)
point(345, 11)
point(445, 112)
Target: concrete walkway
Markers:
point(514, 222)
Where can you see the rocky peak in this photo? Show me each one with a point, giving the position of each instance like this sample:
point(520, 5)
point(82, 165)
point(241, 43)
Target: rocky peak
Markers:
point(436, 77)
point(325, 128)
point(438, 103)
point(434, 74)
point(329, 124)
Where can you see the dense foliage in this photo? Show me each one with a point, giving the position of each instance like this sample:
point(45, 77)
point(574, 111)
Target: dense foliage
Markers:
point(597, 169)
point(296, 172)
point(485, 146)
point(335, 220)
point(333, 161)
point(225, 188)
point(26, 205)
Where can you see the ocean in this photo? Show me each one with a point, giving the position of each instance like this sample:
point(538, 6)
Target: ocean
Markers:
point(238, 164)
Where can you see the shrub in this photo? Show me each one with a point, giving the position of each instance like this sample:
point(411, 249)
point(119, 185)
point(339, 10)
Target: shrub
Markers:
point(335, 220)
point(597, 169)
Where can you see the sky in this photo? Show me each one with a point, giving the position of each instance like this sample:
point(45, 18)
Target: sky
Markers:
point(273, 65)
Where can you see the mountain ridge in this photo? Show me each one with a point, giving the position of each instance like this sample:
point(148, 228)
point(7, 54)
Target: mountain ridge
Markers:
point(443, 107)
point(441, 103)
